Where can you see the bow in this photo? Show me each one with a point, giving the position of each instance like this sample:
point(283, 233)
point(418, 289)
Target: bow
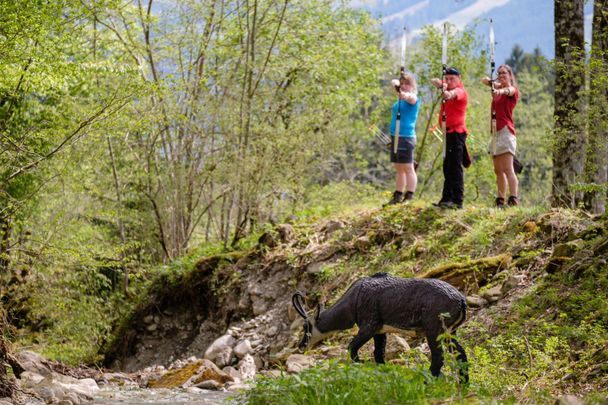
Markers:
point(398, 119)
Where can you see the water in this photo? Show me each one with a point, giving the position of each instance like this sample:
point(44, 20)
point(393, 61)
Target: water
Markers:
point(109, 395)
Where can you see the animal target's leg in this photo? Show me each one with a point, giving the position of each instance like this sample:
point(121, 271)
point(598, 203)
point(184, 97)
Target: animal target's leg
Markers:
point(436, 355)
point(379, 347)
point(353, 348)
point(462, 360)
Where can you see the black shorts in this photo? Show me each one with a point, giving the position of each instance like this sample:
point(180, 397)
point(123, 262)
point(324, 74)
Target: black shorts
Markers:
point(405, 151)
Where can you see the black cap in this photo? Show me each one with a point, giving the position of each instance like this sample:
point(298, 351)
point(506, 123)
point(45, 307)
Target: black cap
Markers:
point(452, 71)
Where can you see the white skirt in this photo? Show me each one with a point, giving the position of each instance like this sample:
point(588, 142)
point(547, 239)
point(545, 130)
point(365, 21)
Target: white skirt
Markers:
point(503, 142)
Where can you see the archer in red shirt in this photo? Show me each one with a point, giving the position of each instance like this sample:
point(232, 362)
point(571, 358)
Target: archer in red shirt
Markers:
point(454, 105)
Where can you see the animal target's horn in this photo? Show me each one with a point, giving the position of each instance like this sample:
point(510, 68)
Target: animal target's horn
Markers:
point(298, 303)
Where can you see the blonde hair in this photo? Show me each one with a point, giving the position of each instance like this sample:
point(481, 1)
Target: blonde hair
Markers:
point(409, 79)
point(512, 81)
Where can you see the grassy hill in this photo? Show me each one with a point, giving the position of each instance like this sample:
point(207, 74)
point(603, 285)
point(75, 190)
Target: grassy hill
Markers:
point(537, 282)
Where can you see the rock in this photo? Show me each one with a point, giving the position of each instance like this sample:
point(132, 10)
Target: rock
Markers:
point(395, 345)
point(259, 364)
point(84, 388)
point(34, 362)
point(56, 387)
point(555, 263)
point(333, 351)
point(423, 348)
point(209, 385)
point(282, 233)
point(247, 367)
point(71, 398)
point(269, 239)
point(220, 344)
point(298, 362)
point(238, 387)
point(567, 249)
point(274, 373)
point(259, 306)
point(569, 400)
point(475, 301)
point(272, 331)
point(471, 274)
point(152, 327)
point(224, 357)
point(209, 371)
point(286, 232)
point(30, 378)
point(530, 227)
point(510, 283)
point(493, 294)
point(49, 393)
point(316, 267)
point(243, 348)
point(332, 226)
point(363, 243)
point(234, 373)
point(190, 375)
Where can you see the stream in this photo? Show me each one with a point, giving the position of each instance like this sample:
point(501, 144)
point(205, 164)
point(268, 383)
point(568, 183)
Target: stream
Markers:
point(111, 395)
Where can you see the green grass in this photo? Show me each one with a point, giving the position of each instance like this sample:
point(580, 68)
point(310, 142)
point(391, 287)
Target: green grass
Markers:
point(354, 383)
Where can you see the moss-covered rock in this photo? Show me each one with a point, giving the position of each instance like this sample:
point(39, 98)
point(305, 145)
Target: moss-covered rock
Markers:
point(470, 275)
point(568, 249)
point(191, 374)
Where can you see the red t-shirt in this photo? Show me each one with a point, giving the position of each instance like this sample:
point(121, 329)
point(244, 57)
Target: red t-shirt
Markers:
point(504, 106)
point(455, 111)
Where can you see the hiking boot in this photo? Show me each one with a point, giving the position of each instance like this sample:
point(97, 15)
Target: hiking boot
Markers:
point(454, 206)
point(442, 204)
point(409, 196)
point(397, 198)
point(448, 205)
point(500, 202)
point(513, 201)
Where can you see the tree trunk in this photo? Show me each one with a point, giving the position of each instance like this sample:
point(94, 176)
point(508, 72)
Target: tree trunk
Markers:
point(5, 233)
point(568, 153)
point(596, 165)
point(7, 385)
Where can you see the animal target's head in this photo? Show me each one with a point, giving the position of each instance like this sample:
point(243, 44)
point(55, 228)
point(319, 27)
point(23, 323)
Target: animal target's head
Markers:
point(310, 336)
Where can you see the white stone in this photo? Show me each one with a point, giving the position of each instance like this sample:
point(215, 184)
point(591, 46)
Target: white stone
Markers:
point(218, 345)
point(34, 362)
point(224, 357)
point(243, 348)
point(30, 378)
point(298, 362)
point(247, 367)
point(209, 385)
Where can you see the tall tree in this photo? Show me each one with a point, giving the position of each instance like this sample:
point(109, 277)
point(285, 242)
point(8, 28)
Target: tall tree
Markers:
point(246, 101)
point(568, 153)
point(596, 165)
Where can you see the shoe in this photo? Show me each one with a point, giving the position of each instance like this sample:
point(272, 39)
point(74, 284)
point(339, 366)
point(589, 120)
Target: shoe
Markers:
point(513, 201)
point(409, 195)
point(448, 205)
point(397, 198)
point(442, 204)
point(454, 206)
point(500, 202)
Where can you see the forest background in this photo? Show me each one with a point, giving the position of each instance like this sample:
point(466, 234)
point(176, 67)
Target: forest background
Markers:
point(133, 138)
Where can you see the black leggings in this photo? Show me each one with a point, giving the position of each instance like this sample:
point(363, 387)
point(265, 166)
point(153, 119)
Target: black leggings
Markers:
point(453, 171)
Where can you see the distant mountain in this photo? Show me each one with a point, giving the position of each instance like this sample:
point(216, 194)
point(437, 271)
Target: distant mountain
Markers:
point(528, 23)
